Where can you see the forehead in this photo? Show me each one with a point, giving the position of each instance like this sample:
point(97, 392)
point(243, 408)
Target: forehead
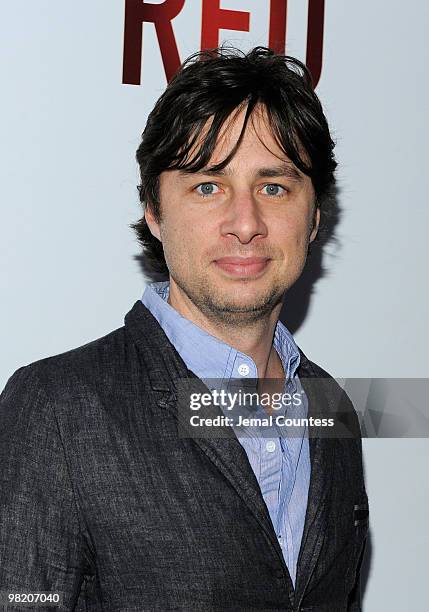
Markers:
point(244, 145)
point(238, 148)
point(257, 140)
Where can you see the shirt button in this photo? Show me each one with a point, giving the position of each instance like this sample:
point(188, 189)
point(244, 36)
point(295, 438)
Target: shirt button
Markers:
point(270, 446)
point(243, 369)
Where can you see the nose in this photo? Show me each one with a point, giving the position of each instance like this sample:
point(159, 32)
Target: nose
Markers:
point(243, 218)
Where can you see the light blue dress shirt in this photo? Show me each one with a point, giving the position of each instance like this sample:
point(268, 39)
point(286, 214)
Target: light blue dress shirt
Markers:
point(281, 464)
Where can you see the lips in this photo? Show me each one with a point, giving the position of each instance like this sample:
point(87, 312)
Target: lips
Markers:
point(242, 266)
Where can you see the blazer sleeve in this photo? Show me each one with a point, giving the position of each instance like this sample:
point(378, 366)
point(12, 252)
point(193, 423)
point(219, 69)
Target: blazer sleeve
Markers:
point(41, 546)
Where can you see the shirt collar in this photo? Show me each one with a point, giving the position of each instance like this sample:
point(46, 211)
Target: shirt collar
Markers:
point(207, 356)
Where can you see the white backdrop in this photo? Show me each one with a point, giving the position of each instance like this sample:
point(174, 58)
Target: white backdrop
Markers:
point(70, 129)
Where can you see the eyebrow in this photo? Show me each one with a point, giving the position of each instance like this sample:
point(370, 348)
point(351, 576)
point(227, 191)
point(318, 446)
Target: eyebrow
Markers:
point(285, 170)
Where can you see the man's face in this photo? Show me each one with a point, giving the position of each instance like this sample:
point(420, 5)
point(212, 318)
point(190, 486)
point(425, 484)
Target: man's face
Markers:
point(235, 240)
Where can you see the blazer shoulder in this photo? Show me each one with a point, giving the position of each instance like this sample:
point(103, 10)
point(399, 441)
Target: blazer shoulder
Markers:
point(337, 398)
point(310, 368)
point(91, 362)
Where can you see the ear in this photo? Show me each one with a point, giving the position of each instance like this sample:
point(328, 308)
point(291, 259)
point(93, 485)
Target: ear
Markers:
point(316, 221)
point(152, 223)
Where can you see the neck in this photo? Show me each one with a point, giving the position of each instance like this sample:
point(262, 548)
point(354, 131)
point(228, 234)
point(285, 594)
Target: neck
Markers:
point(254, 338)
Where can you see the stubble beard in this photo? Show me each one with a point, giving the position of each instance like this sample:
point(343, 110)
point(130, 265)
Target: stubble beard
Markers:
point(225, 311)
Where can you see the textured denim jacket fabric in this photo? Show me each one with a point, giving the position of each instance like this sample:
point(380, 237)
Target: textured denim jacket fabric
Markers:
point(103, 502)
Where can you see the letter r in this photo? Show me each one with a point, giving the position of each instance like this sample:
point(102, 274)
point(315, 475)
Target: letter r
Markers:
point(161, 15)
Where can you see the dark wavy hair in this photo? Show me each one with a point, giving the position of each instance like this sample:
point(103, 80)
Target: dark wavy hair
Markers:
point(213, 85)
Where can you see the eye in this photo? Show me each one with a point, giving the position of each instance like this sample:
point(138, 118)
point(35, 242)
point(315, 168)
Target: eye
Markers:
point(272, 189)
point(207, 189)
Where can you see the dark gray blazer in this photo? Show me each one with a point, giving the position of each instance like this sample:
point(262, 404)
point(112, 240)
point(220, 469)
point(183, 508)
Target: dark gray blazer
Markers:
point(103, 502)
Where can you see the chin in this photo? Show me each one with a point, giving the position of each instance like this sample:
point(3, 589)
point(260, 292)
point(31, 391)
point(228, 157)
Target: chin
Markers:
point(244, 300)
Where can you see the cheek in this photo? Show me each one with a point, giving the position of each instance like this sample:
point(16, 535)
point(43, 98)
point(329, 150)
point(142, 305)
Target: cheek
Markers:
point(294, 232)
point(181, 239)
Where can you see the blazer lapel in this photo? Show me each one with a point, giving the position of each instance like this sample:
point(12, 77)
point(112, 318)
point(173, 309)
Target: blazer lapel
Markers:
point(167, 371)
point(322, 462)
point(226, 452)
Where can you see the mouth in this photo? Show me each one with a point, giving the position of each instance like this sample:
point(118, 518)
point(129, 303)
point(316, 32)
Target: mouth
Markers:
point(244, 267)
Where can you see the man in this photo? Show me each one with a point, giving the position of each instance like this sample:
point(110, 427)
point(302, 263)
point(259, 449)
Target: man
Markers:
point(102, 500)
